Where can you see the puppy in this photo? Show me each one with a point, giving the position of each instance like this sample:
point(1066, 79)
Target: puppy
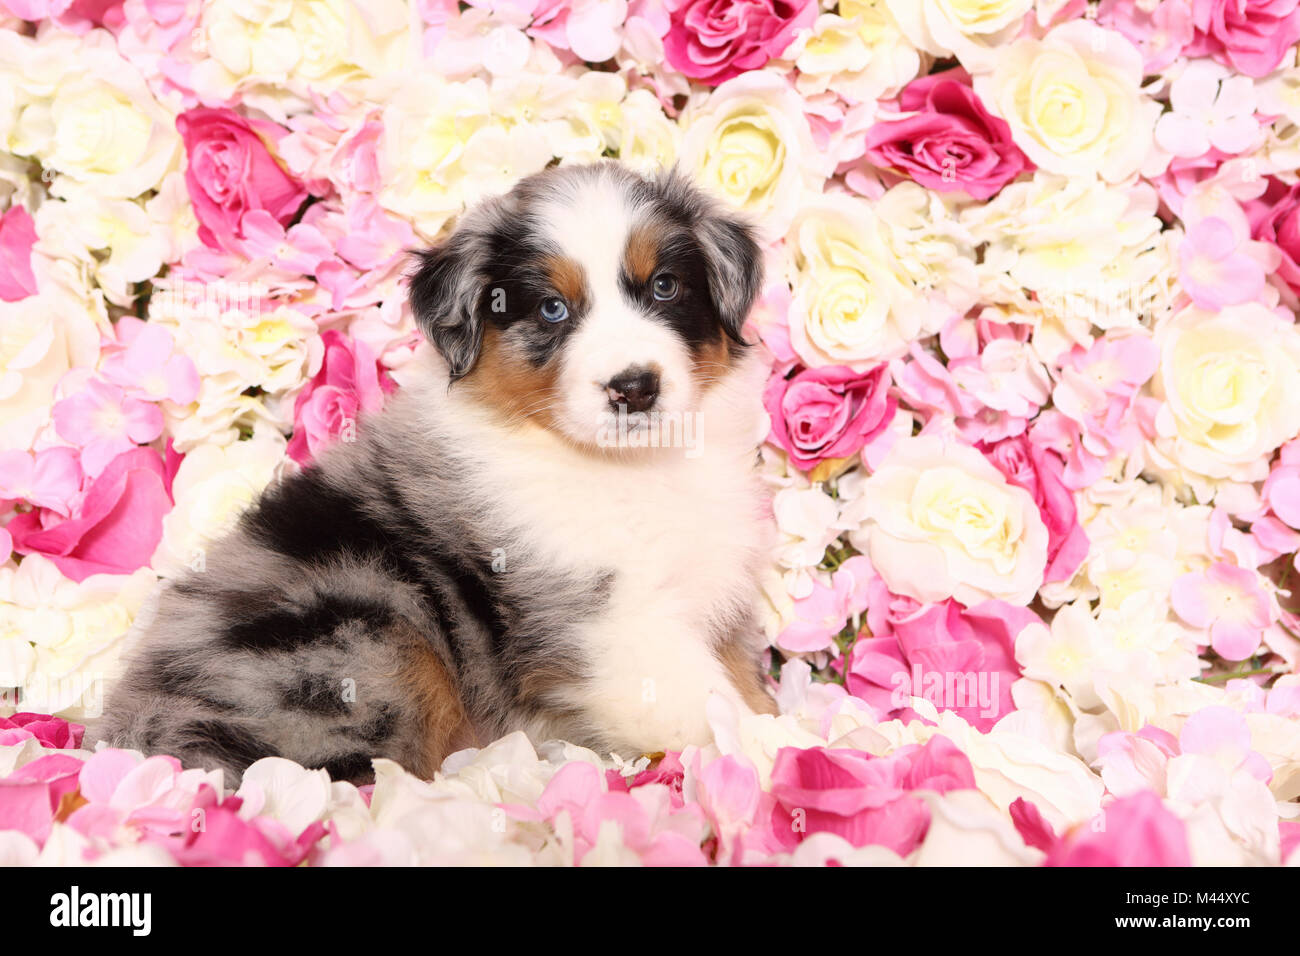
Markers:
point(556, 528)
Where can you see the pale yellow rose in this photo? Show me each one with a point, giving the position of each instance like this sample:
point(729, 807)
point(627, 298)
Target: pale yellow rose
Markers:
point(1229, 381)
point(749, 143)
point(971, 30)
point(1074, 101)
point(938, 520)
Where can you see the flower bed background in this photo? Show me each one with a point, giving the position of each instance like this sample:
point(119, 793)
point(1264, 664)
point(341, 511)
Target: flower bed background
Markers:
point(1032, 280)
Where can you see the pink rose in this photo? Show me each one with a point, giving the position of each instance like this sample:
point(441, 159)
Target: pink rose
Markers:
point(1252, 36)
point(1275, 218)
point(959, 659)
point(54, 732)
point(348, 384)
point(78, 16)
point(227, 839)
point(231, 172)
point(714, 40)
point(827, 412)
point(952, 143)
point(117, 526)
point(864, 799)
point(17, 235)
point(1137, 830)
point(30, 796)
point(1039, 472)
point(668, 771)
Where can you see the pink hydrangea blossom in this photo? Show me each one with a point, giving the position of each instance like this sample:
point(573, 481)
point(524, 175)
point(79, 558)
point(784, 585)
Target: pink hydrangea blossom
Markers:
point(104, 422)
point(1229, 602)
point(147, 366)
point(50, 478)
point(1098, 411)
point(1216, 265)
point(1159, 30)
point(589, 28)
point(824, 612)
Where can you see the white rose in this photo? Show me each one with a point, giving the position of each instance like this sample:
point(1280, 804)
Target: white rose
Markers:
point(213, 486)
point(854, 305)
point(647, 140)
point(861, 54)
point(236, 347)
point(427, 126)
point(76, 630)
point(1229, 380)
point(939, 521)
point(41, 338)
point(749, 143)
point(1074, 101)
point(272, 52)
point(973, 30)
point(83, 111)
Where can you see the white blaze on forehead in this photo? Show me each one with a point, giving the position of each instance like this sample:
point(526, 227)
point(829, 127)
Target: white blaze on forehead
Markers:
point(590, 222)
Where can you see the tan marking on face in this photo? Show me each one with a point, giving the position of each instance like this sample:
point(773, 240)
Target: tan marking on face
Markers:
point(506, 381)
point(742, 666)
point(445, 726)
point(711, 362)
point(568, 279)
point(641, 254)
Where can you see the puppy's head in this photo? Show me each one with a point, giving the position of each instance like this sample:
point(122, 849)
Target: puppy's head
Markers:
point(588, 293)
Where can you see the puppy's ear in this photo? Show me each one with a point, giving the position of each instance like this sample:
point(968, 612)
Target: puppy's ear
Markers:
point(732, 257)
point(735, 268)
point(445, 289)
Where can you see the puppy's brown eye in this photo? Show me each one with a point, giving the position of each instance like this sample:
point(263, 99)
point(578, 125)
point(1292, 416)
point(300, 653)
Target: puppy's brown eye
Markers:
point(665, 287)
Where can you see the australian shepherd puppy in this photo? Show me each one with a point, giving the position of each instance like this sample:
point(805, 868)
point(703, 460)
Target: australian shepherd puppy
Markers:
point(556, 528)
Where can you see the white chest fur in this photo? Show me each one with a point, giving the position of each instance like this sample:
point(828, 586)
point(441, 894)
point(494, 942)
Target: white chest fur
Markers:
point(680, 534)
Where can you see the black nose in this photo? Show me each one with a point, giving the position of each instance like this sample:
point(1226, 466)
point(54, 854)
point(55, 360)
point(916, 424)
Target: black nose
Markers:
point(635, 388)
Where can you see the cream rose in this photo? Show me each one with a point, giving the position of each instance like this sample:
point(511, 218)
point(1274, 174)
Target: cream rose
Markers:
point(854, 303)
point(428, 124)
point(939, 521)
point(213, 486)
point(278, 48)
point(969, 29)
point(861, 54)
point(82, 111)
point(1229, 381)
point(1074, 101)
point(41, 338)
point(749, 143)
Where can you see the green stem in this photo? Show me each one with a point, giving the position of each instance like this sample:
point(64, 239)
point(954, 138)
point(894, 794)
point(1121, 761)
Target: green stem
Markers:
point(1233, 675)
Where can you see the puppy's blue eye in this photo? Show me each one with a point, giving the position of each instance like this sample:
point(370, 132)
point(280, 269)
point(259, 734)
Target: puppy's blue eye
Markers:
point(665, 288)
point(554, 309)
